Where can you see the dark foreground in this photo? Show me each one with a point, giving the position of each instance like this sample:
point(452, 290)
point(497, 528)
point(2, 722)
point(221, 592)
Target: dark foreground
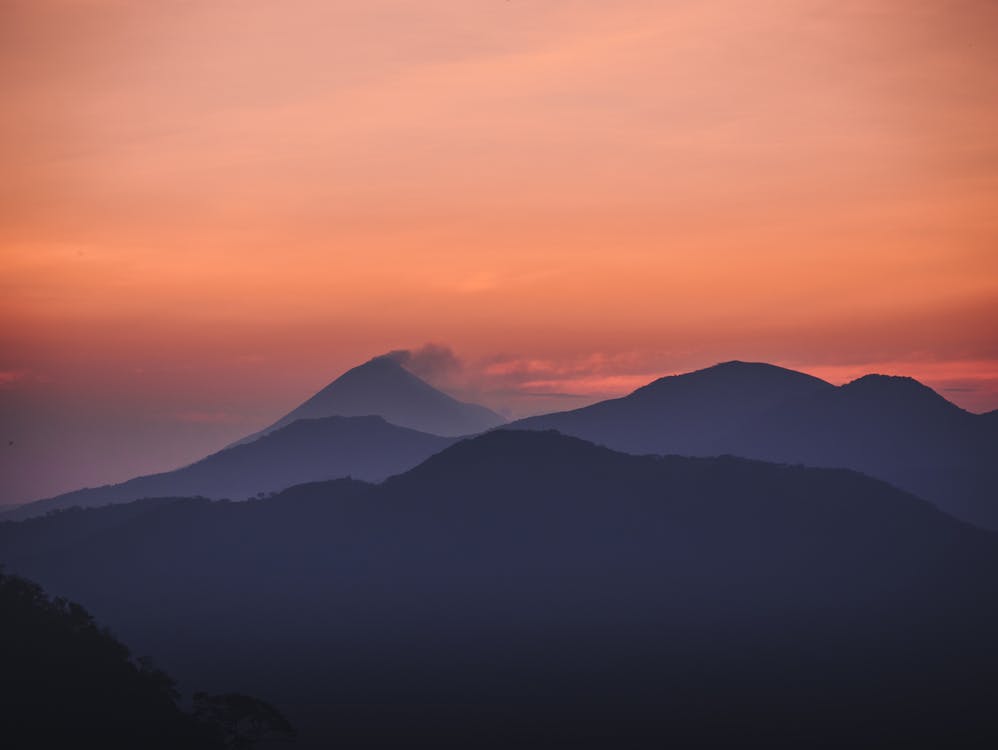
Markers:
point(531, 590)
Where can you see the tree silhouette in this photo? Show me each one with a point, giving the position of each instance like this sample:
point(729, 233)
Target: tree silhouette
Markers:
point(67, 682)
point(242, 719)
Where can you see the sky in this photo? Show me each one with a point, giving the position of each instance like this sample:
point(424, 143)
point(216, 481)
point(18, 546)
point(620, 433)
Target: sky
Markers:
point(211, 208)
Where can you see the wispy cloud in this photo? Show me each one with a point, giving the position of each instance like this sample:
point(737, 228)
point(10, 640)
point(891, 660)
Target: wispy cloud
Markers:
point(9, 377)
point(518, 385)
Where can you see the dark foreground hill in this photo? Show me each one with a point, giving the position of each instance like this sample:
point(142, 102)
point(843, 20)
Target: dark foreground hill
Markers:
point(529, 589)
point(891, 428)
point(307, 450)
point(69, 683)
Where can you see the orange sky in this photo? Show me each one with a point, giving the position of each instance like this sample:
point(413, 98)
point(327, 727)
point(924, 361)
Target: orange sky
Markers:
point(212, 207)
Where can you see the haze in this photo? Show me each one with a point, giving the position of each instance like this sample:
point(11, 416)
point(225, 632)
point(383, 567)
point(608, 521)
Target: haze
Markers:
point(210, 209)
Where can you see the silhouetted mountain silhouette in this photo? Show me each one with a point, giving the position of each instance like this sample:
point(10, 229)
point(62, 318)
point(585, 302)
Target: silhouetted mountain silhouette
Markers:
point(384, 387)
point(527, 588)
point(682, 414)
point(892, 428)
point(307, 450)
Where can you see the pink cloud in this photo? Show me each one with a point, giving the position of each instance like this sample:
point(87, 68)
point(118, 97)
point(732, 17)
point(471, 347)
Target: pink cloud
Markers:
point(7, 377)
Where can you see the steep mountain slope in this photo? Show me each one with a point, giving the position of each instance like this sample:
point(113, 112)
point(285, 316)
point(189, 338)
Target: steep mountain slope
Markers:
point(307, 450)
point(528, 588)
point(682, 414)
point(384, 387)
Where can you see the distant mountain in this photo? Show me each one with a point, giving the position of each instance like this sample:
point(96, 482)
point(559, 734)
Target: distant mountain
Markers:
point(384, 387)
point(306, 450)
point(529, 589)
point(373, 421)
point(892, 428)
point(682, 414)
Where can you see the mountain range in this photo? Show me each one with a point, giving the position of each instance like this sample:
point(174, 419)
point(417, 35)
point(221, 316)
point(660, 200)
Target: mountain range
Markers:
point(306, 450)
point(375, 420)
point(892, 428)
point(527, 588)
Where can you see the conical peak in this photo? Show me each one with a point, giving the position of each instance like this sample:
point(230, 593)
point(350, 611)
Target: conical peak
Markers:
point(383, 386)
point(383, 363)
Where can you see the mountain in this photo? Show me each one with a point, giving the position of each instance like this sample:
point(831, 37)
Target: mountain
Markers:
point(306, 450)
point(682, 414)
point(373, 421)
point(384, 387)
point(891, 428)
point(529, 589)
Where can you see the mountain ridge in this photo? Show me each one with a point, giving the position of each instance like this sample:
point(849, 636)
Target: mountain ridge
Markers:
point(703, 404)
point(890, 427)
point(542, 577)
point(384, 387)
point(379, 389)
point(366, 447)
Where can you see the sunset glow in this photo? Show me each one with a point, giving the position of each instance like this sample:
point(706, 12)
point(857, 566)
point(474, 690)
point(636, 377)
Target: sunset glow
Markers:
point(210, 209)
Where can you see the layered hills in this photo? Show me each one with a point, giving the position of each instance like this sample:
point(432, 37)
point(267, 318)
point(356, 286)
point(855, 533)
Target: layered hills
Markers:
point(306, 450)
point(528, 587)
point(384, 387)
point(375, 420)
point(892, 428)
